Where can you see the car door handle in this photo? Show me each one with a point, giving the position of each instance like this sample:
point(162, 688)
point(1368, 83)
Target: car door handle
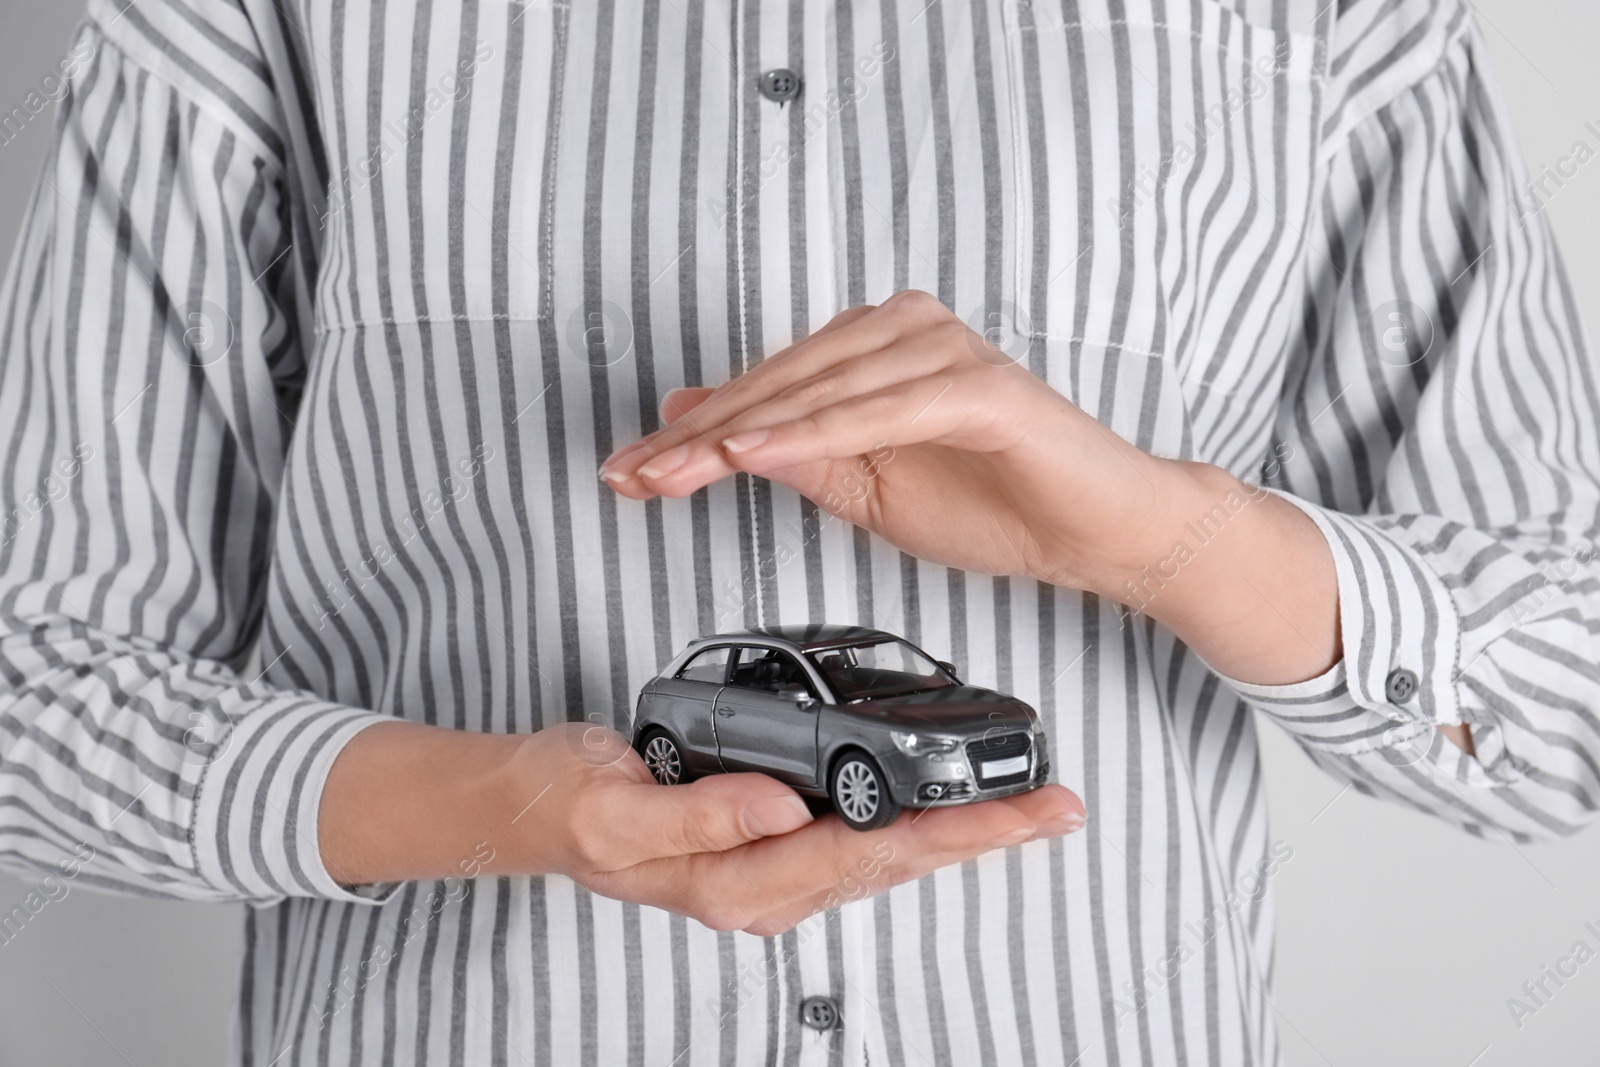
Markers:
point(725, 711)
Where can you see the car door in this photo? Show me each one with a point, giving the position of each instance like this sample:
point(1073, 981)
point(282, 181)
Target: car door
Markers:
point(683, 705)
point(760, 730)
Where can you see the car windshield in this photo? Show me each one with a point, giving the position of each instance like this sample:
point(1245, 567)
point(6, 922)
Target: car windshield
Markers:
point(879, 669)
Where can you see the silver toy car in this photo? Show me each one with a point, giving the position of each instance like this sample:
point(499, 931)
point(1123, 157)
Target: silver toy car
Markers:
point(856, 715)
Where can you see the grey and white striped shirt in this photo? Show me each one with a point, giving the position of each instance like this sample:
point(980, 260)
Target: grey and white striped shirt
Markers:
point(324, 314)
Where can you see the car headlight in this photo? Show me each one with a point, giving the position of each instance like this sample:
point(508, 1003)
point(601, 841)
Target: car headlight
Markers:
point(1038, 728)
point(923, 744)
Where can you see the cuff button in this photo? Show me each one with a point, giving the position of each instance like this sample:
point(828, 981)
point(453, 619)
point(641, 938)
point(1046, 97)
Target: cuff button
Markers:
point(1401, 685)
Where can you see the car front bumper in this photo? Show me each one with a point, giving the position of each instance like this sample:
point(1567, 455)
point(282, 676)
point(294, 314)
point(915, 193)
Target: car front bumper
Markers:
point(950, 780)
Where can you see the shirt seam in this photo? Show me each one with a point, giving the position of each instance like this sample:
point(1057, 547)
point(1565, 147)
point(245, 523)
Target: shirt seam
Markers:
point(1046, 335)
point(201, 104)
point(1448, 53)
point(365, 322)
point(1200, 35)
point(547, 253)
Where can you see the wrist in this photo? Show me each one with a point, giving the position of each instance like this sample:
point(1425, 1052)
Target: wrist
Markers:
point(528, 792)
point(406, 801)
point(1241, 576)
point(1143, 562)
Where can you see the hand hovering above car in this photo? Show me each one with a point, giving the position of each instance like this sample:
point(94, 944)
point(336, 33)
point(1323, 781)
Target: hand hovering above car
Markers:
point(977, 464)
point(991, 470)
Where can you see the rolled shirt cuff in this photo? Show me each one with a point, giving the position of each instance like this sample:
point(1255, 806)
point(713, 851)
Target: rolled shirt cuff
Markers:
point(257, 805)
point(1402, 637)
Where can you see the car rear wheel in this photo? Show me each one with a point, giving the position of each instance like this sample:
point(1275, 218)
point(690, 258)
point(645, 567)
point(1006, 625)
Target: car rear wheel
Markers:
point(662, 756)
point(860, 793)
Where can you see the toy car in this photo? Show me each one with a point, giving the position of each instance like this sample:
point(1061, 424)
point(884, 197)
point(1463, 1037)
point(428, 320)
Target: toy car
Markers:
point(856, 715)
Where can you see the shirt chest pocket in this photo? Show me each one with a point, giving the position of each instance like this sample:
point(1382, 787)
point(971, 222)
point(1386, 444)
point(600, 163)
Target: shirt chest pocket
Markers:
point(1166, 164)
point(442, 171)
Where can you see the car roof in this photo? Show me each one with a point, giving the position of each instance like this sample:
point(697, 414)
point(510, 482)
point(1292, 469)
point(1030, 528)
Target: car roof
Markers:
point(806, 638)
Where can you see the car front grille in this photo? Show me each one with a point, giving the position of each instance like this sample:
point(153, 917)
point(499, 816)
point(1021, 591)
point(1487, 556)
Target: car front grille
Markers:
point(995, 748)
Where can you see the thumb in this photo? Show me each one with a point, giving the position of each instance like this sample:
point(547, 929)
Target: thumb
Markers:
point(679, 402)
point(710, 815)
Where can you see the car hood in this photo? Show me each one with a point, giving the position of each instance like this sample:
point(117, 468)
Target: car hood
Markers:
point(954, 709)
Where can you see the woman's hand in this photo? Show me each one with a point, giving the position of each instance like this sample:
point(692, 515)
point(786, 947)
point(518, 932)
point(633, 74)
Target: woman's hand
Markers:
point(741, 851)
point(900, 419)
point(733, 851)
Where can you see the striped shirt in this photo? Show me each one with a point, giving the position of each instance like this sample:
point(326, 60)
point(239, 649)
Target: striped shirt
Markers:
point(323, 315)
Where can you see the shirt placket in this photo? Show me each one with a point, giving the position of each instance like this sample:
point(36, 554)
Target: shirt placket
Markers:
point(783, 260)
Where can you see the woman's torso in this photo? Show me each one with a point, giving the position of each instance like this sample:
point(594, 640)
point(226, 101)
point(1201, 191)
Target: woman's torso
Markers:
point(531, 219)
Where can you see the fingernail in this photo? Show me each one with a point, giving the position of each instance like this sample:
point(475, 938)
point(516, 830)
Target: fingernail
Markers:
point(617, 457)
point(744, 442)
point(666, 463)
point(771, 816)
point(1061, 825)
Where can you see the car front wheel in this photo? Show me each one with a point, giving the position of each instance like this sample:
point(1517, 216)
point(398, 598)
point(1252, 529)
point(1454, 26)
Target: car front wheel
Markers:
point(663, 757)
point(860, 793)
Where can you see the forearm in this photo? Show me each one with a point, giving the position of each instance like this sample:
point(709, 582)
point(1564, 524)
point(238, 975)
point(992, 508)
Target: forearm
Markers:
point(1247, 582)
point(406, 801)
point(1245, 579)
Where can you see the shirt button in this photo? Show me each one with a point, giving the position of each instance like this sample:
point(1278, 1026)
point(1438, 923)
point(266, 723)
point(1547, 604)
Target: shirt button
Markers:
point(780, 84)
point(819, 1013)
point(1401, 685)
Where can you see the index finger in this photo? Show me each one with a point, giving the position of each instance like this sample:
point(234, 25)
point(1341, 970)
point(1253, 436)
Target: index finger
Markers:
point(731, 396)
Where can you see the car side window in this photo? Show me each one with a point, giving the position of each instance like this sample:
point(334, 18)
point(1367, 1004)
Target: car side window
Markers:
point(768, 670)
point(709, 666)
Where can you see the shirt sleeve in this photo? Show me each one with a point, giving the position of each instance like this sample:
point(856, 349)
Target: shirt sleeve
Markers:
point(150, 358)
point(1440, 427)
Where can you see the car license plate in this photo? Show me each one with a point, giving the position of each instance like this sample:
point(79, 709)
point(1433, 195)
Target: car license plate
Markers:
point(999, 768)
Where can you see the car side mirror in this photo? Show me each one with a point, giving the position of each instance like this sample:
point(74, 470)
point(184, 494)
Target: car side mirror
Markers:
point(798, 695)
point(950, 669)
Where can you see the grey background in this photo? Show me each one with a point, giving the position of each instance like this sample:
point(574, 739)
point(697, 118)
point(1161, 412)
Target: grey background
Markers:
point(1400, 940)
